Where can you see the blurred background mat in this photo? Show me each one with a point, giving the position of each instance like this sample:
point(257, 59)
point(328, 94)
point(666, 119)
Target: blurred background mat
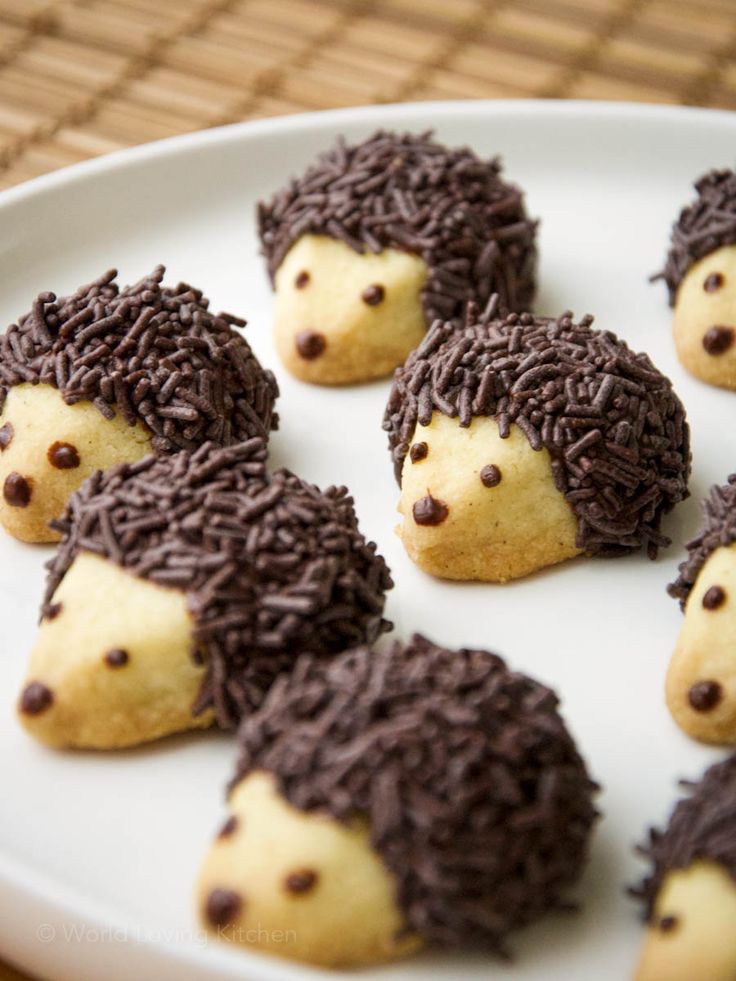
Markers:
point(83, 77)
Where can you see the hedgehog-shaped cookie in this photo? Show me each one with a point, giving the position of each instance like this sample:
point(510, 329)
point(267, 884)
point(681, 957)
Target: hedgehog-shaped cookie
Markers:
point(690, 895)
point(522, 441)
point(106, 376)
point(378, 240)
point(701, 681)
point(182, 586)
point(700, 274)
point(391, 798)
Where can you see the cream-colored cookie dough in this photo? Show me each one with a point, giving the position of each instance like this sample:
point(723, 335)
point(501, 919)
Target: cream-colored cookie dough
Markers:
point(693, 933)
point(36, 426)
point(116, 660)
point(701, 681)
point(493, 533)
point(706, 303)
point(299, 885)
point(327, 328)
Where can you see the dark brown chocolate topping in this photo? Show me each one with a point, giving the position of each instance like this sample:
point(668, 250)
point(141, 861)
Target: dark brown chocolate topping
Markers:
point(703, 226)
point(53, 610)
point(300, 882)
point(418, 452)
point(223, 907)
point(373, 295)
point(477, 799)
point(705, 695)
point(271, 565)
point(409, 192)
point(614, 427)
point(36, 698)
point(490, 476)
point(117, 658)
point(151, 353)
point(718, 339)
point(718, 529)
point(229, 827)
point(6, 435)
point(302, 279)
point(713, 282)
point(701, 826)
point(63, 456)
point(429, 511)
point(714, 597)
point(310, 344)
point(17, 490)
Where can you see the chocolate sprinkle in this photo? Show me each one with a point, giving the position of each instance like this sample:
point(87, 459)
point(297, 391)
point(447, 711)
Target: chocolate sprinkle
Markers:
point(718, 530)
point(705, 695)
point(271, 565)
point(300, 882)
point(36, 698)
point(223, 907)
point(707, 224)
point(477, 799)
point(490, 476)
point(17, 490)
point(614, 427)
point(310, 344)
point(152, 354)
point(117, 658)
point(718, 339)
point(6, 435)
point(713, 598)
point(429, 511)
point(409, 192)
point(701, 826)
point(63, 456)
point(373, 295)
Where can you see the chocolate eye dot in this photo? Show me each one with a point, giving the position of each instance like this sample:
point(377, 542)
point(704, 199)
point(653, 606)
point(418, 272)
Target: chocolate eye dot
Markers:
point(63, 456)
point(300, 882)
point(418, 452)
point(302, 279)
point(117, 658)
point(429, 511)
point(717, 340)
point(310, 344)
point(53, 611)
point(713, 282)
point(17, 490)
point(705, 695)
point(229, 827)
point(373, 295)
point(714, 597)
point(490, 476)
point(222, 907)
point(6, 434)
point(36, 698)
point(668, 923)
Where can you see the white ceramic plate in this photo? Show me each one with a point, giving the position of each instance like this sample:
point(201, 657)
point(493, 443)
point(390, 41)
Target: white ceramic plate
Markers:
point(98, 853)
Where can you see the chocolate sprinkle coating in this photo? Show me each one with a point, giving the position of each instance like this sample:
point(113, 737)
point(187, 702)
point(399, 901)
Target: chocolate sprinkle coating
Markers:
point(477, 799)
point(718, 529)
point(701, 826)
point(272, 566)
point(706, 224)
point(614, 427)
point(409, 192)
point(151, 353)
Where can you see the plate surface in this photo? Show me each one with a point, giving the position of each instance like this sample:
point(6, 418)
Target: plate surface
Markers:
point(98, 853)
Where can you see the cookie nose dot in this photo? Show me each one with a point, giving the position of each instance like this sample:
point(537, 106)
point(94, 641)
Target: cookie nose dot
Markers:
point(429, 511)
point(17, 490)
point(718, 339)
point(36, 698)
point(310, 344)
point(223, 907)
point(705, 695)
point(117, 658)
point(713, 281)
point(490, 476)
point(373, 295)
point(714, 597)
point(304, 880)
point(418, 452)
point(302, 279)
point(63, 456)
point(6, 435)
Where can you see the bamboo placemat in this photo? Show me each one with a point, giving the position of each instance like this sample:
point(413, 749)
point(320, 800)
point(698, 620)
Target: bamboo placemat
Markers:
point(83, 77)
